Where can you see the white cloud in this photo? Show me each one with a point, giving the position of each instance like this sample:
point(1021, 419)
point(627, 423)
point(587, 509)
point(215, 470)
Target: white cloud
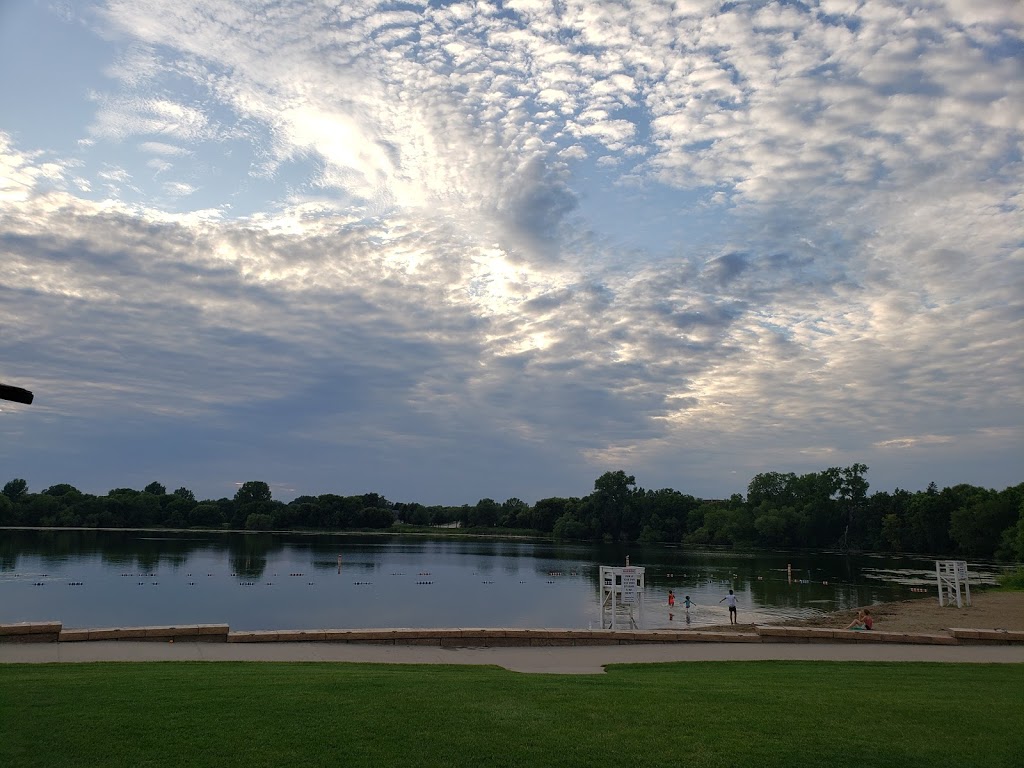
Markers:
point(836, 188)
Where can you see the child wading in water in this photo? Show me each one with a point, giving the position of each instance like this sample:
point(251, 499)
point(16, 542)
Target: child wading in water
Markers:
point(731, 598)
point(671, 598)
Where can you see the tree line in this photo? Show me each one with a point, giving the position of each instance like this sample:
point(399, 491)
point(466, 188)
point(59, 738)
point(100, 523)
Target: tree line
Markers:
point(830, 509)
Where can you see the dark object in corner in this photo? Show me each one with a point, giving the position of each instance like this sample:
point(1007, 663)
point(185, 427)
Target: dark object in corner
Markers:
point(17, 394)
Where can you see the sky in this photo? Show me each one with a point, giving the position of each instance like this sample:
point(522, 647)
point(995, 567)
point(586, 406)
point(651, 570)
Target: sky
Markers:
point(446, 251)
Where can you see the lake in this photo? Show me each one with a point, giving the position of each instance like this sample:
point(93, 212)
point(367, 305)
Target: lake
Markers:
point(89, 578)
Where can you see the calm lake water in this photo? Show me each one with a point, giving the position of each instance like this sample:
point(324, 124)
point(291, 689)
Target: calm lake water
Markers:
point(292, 581)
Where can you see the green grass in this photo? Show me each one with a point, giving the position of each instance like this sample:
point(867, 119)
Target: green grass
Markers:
point(1012, 580)
point(687, 714)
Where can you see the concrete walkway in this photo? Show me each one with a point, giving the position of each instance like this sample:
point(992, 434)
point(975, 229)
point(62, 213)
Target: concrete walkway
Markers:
point(551, 660)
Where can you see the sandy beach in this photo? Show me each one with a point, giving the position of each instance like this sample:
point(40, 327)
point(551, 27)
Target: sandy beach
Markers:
point(988, 610)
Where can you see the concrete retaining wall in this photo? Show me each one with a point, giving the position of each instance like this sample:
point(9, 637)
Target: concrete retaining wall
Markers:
point(41, 632)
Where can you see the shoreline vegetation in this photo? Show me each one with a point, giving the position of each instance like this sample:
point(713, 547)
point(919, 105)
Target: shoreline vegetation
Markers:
point(827, 510)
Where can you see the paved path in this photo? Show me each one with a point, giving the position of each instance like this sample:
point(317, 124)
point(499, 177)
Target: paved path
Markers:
point(552, 660)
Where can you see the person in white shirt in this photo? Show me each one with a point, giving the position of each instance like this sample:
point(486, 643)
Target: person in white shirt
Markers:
point(731, 602)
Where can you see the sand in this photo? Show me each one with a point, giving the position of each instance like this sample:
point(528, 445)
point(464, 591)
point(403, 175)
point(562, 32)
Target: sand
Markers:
point(988, 610)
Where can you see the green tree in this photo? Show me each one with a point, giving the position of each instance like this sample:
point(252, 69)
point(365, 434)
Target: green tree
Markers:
point(1012, 542)
point(569, 527)
point(515, 513)
point(62, 489)
point(7, 515)
point(546, 512)
point(253, 491)
point(977, 526)
point(205, 516)
point(485, 514)
point(611, 498)
point(258, 522)
point(155, 488)
point(15, 489)
point(891, 532)
point(252, 498)
point(773, 488)
point(186, 494)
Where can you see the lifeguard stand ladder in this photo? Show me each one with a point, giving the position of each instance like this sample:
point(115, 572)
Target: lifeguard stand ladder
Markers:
point(951, 575)
point(622, 596)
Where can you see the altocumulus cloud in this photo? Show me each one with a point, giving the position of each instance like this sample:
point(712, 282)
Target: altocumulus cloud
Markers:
point(452, 250)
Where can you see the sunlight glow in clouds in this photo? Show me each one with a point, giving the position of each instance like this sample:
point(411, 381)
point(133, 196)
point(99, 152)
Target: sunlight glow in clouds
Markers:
point(447, 250)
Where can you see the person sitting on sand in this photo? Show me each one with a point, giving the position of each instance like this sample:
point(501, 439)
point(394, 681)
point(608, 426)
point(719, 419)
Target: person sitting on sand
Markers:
point(862, 622)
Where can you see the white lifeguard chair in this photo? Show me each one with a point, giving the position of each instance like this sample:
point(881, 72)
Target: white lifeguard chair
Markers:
point(951, 576)
point(622, 596)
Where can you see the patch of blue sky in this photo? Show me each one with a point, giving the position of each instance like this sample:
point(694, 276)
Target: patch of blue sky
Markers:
point(656, 218)
point(52, 91)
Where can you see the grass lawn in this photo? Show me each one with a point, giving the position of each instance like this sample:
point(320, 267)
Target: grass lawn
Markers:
point(681, 714)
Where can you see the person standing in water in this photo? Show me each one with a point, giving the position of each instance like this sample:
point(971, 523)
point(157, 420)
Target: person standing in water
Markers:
point(671, 599)
point(730, 600)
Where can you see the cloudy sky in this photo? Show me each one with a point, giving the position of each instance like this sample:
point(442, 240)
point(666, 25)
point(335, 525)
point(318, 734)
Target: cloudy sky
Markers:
point(452, 250)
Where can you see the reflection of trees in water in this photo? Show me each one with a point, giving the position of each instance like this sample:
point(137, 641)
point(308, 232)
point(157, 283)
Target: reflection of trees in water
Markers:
point(249, 566)
point(248, 553)
point(144, 551)
point(149, 562)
